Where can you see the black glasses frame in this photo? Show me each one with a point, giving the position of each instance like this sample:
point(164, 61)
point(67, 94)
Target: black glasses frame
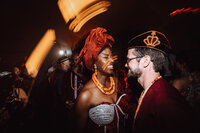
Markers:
point(129, 59)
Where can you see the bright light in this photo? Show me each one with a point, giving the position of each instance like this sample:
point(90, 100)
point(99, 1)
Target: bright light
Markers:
point(87, 14)
point(40, 52)
point(69, 52)
point(81, 11)
point(66, 52)
point(61, 52)
point(185, 10)
point(70, 8)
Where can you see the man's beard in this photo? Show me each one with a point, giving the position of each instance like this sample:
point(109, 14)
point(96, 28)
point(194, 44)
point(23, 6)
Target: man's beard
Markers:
point(135, 73)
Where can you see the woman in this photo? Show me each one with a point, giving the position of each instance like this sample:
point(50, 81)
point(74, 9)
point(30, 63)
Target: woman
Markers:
point(102, 104)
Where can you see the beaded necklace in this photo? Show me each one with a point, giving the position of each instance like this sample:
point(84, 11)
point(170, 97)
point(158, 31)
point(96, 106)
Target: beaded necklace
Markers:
point(72, 86)
point(107, 91)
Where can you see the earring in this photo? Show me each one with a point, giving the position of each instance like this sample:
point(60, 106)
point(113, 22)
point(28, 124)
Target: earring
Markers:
point(95, 68)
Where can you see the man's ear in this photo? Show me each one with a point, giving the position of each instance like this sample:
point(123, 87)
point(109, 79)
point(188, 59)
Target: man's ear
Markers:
point(146, 60)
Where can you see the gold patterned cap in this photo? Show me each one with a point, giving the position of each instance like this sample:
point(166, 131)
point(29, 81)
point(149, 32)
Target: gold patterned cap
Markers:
point(151, 39)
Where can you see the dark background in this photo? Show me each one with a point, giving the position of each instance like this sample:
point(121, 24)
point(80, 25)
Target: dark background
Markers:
point(24, 22)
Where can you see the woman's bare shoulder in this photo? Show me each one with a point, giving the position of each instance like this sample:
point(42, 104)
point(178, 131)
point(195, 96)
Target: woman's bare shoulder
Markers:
point(87, 92)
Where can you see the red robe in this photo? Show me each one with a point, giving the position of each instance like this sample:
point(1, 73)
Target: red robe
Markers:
point(164, 110)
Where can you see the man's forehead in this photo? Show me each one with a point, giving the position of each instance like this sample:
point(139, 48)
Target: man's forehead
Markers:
point(131, 52)
point(67, 61)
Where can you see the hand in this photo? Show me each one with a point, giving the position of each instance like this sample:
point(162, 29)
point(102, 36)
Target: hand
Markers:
point(69, 104)
point(22, 96)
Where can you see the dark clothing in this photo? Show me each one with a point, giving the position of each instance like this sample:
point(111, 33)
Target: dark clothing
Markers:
point(64, 96)
point(13, 115)
point(62, 84)
point(164, 110)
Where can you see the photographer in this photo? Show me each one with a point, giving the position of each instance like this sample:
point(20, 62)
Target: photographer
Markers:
point(14, 100)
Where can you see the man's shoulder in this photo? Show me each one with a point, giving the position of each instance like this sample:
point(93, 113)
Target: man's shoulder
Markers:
point(164, 94)
point(164, 91)
point(161, 86)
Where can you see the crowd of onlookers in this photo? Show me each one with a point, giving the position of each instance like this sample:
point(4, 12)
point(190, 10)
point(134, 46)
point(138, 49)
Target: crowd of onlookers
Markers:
point(45, 106)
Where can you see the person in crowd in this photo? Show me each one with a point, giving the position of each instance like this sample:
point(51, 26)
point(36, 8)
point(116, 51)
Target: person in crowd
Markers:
point(62, 94)
point(13, 106)
point(181, 78)
point(102, 105)
point(78, 78)
point(193, 92)
point(161, 108)
point(51, 68)
point(66, 82)
point(186, 81)
point(22, 85)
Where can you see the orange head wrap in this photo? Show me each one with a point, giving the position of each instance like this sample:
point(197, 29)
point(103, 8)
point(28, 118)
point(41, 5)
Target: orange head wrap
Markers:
point(95, 41)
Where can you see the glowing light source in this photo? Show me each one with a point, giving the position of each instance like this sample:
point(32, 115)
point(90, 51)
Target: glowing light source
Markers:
point(184, 10)
point(66, 52)
point(81, 11)
point(61, 52)
point(70, 8)
point(69, 52)
point(87, 14)
point(39, 53)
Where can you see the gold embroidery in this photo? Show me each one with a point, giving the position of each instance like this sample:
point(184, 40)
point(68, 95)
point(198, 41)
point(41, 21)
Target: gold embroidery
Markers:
point(152, 40)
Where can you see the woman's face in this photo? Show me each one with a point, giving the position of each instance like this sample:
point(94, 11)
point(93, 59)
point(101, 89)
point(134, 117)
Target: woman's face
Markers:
point(105, 61)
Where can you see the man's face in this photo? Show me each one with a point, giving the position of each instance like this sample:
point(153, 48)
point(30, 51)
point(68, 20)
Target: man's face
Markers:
point(16, 70)
point(133, 64)
point(66, 64)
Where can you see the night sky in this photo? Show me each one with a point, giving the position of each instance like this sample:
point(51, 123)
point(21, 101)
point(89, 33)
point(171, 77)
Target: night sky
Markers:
point(24, 22)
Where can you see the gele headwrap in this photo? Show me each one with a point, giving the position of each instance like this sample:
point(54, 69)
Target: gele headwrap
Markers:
point(96, 40)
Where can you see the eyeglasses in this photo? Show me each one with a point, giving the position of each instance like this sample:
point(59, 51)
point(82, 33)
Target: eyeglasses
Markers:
point(129, 59)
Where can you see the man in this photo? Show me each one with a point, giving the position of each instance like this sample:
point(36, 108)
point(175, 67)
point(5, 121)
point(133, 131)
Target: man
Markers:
point(66, 83)
point(161, 108)
point(59, 78)
point(62, 94)
point(13, 101)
